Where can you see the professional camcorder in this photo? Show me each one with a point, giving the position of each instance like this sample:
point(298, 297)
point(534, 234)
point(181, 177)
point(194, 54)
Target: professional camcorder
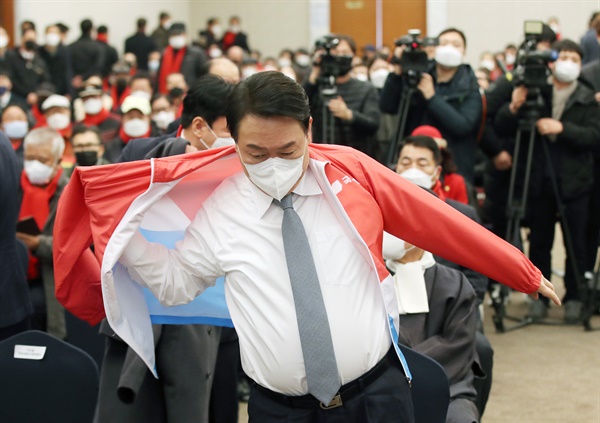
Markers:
point(531, 69)
point(414, 59)
point(332, 65)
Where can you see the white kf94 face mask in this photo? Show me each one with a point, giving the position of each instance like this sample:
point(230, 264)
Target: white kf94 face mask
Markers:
point(275, 176)
point(418, 177)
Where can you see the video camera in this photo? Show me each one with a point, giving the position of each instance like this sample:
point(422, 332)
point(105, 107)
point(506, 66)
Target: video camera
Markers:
point(332, 65)
point(414, 59)
point(531, 68)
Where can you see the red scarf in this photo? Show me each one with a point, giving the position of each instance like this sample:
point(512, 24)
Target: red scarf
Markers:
point(16, 144)
point(439, 190)
point(95, 120)
point(228, 40)
point(40, 119)
point(36, 203)
point(126, 138)
point(171, 63)
point(103, 38)
point(118, 101)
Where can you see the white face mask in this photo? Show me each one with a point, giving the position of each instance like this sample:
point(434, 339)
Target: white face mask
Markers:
point(303, 60)
point(141, 94)
point(234, 28)
point(58, 121)
point(27, 55)
point(15, 130)
point(136, 127)
point(153, 65)
point(378, 77)
point(164, 118)
point(418, 177)
point(217, 31)
point(52, 39)
point(488, 64)
point(448, 56)
point(284, 63)
point(215, 52)
point(218, 142)
point(361, 77)
point(566, 70)
point(510, 59)
point(248, 72)
point(177, 41)
point(3, 41)
point(275, 176)
point(167, 24)
point(93, 106)
point(37, 172)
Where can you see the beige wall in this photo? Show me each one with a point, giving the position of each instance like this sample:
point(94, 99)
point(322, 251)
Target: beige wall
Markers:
point(271, 25)
point(491, 24)
point(119, 16)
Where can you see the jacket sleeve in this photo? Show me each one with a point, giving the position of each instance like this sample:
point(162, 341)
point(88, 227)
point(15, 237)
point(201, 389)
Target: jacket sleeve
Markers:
point(459, 122)
point(366, 120)
point(582, 136)
point(506, 123)
point(412, 214)
point(389, 100)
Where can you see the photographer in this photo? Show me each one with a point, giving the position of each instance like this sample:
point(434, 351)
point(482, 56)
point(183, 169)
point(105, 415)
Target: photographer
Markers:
point(355, 103)
point(570, 127)
point(447, 97)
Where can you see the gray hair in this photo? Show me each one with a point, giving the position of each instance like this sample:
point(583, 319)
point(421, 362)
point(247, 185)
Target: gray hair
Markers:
point(42, 136)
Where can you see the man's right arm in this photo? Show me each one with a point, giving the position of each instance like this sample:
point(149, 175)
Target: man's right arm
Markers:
point(175, 276)
point(389, 98)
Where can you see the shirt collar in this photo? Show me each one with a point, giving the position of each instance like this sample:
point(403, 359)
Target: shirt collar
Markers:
point(308, 186)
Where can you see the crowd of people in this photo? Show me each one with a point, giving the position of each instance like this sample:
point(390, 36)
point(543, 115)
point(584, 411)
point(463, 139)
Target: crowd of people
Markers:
point(82, 104)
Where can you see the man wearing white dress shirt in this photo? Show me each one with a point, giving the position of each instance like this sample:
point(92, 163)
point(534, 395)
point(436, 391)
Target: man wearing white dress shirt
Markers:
point(238, 233)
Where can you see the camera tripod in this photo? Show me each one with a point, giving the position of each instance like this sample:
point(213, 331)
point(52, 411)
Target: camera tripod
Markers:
point(516, 211)
point(327, 92)
point(408, 90)
point(594, 292)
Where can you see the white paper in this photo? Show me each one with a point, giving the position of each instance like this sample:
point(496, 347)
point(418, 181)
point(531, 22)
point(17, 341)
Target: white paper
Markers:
point(29, 352)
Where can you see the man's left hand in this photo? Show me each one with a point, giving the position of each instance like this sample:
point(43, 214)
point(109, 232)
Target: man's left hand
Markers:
point(338, 107)
point(547, 290)
point(32, 242)
point(548, 126)
point(426, 86)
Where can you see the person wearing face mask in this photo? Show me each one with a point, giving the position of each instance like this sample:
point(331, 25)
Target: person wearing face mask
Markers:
point(58, 60)
point(42, 183)
point(119, 84)
point(135, 123)
point(87, 55)
point(97, 115)
point(4, 40)
point(570, 127)
point(211, 36)
point(234, 36)
point(57, 115)
point(355, 106)
point(87, 147)
point(140, 85)
point(438, 310)
point(179, 57)
point(447, 97)
point(282, 213)
point(510, 56)
point(203, 124)
point(488, 61)
point(177, 89)
point(27, 69)
point(302, 64)
point(163, 113)
point(7, 97)
point(161, 34)
point(14, 124)
point(141, 45)
point(154, 65)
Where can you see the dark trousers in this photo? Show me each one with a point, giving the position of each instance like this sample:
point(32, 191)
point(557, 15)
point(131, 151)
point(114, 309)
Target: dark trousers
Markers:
point(593, 232)
point(483, 386)
point(544, 215)
point(386, 399)
point(223, 395)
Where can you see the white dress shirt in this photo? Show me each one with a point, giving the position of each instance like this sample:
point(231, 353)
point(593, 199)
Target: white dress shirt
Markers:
point(237, 233)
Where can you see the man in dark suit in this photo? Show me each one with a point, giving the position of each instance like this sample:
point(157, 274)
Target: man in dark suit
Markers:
point(141, 45)
point(110, 53)
point(15, 304)
point(87, 55)
point(234, 36)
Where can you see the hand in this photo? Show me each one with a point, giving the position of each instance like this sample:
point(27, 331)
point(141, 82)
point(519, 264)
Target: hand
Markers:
point(316, 69)
point(503, 161)
point(398, 54)
point(547, 290)
point(548, 126)
point(426, 86)
point(338, 107)
point(77, 81)
point(519, 95)
point(32, 98)
point(597, 97)
point(32, 242)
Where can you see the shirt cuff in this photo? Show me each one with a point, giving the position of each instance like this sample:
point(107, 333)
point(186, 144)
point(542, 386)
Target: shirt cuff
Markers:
point(134, 250)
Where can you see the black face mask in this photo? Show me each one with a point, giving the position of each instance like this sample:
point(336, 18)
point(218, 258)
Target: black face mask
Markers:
point(30, 45)
point(121, 84)
point(86, 158)
point(175, 92)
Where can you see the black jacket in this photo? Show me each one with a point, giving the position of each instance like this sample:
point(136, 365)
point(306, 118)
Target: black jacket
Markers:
point(15, 304)
point(571, 153)
point(25, 76)
point(110, 58)
point(455, 110)
point(87, 57)
point(362, 98)
point(141, 45)
point(59, 68)
point(192, 66)
point(139, 148)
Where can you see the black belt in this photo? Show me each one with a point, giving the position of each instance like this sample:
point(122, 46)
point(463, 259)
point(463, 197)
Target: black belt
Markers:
point(346, 392)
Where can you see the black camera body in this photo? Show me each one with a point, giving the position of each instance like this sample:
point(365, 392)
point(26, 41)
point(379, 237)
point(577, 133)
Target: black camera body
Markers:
point(531, 69)
point(332, 65)
point(414, 59)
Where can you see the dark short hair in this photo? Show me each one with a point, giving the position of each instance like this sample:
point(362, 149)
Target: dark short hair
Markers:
point(423, 141)
point(568, 45)
point(207, 99)
point(18, 106)
point(267, 94)
point(159, 95)
point(348, 39)
point(62, 28)
point(102, 29)
point(547, 35)
point(141, 23)
point(458, 31)
point(82, 129)
point(26, 26)
point(163, 16)
point(211, 21)
point(86, 26)
point(141, 75)
point(512, 46)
